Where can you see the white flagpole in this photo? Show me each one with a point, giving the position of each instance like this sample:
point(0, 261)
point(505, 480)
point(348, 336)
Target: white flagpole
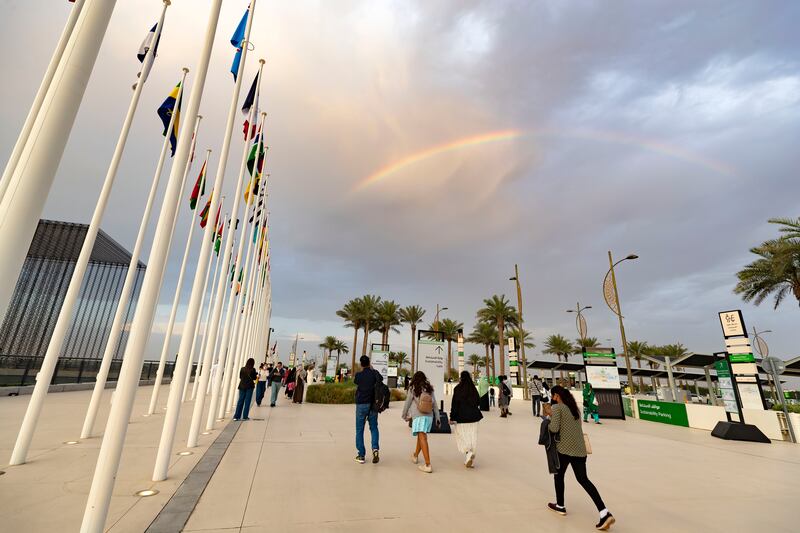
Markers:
point(45, 375)
point(215, 388)
point(197, 327)
point(207, 324)
point(173, 403)
point(177, 298)
point(207, 334)
point(245, 295)
point(37, 101)
point(127, 288)
point(228, 343)
point(111, 448)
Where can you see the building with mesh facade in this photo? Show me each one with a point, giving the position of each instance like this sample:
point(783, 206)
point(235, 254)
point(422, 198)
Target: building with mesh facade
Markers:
point(42, 285)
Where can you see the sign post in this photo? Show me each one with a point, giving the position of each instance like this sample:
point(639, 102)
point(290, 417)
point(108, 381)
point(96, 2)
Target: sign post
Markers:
point(513, 361)
point(431, 356)
point(600, 367)
point(775, 367)
point(379, 359)
point(738, 380)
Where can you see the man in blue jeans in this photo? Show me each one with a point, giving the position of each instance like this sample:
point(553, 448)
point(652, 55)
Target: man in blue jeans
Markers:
point(365, 395)
point(276, 377)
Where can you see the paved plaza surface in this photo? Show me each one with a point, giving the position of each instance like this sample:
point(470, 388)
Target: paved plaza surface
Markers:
point(292, 469)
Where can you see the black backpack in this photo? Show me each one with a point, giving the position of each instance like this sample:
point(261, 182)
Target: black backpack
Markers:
point(382, 396)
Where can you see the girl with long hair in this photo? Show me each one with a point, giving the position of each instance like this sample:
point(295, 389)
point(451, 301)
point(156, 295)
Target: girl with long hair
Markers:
point(566, 423)
point(465, 413)
point(421, 410)
point(247, 382)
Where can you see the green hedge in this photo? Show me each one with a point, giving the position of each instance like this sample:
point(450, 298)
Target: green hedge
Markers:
point(792, 408)
point(341, 393)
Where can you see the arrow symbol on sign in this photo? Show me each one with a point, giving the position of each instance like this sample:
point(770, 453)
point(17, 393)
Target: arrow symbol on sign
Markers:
point(439, 349)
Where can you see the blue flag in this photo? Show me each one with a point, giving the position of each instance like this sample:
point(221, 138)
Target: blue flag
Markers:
point(237, 40)
point(171, 105)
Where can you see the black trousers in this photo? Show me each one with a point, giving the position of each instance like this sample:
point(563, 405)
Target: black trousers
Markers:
point(579, 468)
point(536, 404)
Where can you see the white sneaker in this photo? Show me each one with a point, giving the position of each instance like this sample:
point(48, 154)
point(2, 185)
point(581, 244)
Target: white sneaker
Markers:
point(414, 458)
point(426, 468)
point(470, 459)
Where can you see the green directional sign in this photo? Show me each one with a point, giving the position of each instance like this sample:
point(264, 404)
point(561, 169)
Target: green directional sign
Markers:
point(595, 354)
point(742, 358)
point(663, 412)
point(721, 366)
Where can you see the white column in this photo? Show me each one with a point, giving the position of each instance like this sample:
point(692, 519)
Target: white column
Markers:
point(173, 403)
point(30, 182)
point(37, 101)
point(111, 448)
point(177, 298)
point(230, 374)
point(64, 320)
point(207, 324)
point(197, 326)
point(245, 295)
point(127, 289)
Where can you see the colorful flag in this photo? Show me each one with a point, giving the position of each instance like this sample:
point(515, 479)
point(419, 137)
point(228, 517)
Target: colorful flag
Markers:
point(147, 43)
point(204, 213)
point(172, 105)
point(218, 241)
point(199, 189)
point(251, 102)
point(237, 41)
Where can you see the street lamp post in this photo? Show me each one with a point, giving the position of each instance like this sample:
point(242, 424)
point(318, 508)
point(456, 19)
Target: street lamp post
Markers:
point(580, 322)
point(525, 392)
point(609, 291)
point(763, 350)
point(436, 319)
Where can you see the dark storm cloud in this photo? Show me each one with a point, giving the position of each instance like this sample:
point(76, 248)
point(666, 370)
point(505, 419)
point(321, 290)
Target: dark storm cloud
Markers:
point(664, 128)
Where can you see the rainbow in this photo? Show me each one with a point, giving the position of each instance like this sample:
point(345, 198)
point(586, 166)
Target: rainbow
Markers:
point(495, 136)
point(653, 145)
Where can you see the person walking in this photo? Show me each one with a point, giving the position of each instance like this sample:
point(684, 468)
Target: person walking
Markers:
point(261, 386)
point(505, 397)
point(590, 406)
point(247, 382)
point(365, 381)
point(483, 393)
point(491, 396)
point(290, 384)
point(276, 378)
point(300, 385)
point(421, 410)
point(465, 413)
point(536, 389)
point(566, 423)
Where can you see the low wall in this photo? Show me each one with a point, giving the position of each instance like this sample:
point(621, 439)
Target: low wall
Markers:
point(68, 387)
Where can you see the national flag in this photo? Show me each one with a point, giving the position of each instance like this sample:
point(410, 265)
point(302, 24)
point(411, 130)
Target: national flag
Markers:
point(172, 105)
point(237, 41)
point(218, 241)
point(147, 43)
point(204, 213)
point(199, 189)
point(251, 102)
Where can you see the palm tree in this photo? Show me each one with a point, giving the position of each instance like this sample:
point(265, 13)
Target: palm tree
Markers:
point(498, 310)
point(475, 361)
point(351, 313)
point(327, 346)
point(449, 328)
point(401, 358)
point(341, 346)
point(412, 315)
point(637, 349)
point(586, 342)
point(558, 345)
point(486, 334)
point(388, 316)
point(777, 270)
point(367, 314)
point(674, 351)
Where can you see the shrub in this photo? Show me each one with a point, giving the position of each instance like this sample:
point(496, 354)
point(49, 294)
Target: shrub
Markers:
point(792, 408)
point(341, 393)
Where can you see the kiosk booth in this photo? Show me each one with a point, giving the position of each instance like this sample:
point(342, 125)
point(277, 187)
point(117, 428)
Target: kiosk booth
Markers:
point(600, 368)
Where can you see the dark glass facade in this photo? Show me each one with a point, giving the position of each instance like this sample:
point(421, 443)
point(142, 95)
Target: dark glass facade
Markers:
point(42, 284)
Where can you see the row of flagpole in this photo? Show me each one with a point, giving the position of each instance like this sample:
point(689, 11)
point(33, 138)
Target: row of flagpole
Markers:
point(221, 345)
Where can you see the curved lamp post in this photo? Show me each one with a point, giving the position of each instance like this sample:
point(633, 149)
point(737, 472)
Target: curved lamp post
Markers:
point(611, 296)
point(522, 358)
point(580, 322)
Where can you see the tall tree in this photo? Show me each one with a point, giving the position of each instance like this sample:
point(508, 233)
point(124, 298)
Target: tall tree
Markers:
point(777, 269)
point(638, 349)
point(401, 358)
point(388, 316)
point(585, 342)
point(497, 309)
point(475, 361)
point(558, 345)
point(412, 315)
point(449, 328)
point(351, 313)
point(486, 334)
point(368, 310)
point(328, 345)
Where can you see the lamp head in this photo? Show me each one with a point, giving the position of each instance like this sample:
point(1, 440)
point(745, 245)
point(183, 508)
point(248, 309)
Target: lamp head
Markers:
point(632, 256)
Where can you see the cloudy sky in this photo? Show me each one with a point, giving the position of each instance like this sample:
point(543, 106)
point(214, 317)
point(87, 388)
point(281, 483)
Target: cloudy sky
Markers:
point(668, 129)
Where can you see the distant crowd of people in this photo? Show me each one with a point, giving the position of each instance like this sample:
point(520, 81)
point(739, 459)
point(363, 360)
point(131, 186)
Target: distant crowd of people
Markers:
point(272, 377)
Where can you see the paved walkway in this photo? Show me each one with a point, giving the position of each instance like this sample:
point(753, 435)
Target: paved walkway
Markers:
point(293, 471)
